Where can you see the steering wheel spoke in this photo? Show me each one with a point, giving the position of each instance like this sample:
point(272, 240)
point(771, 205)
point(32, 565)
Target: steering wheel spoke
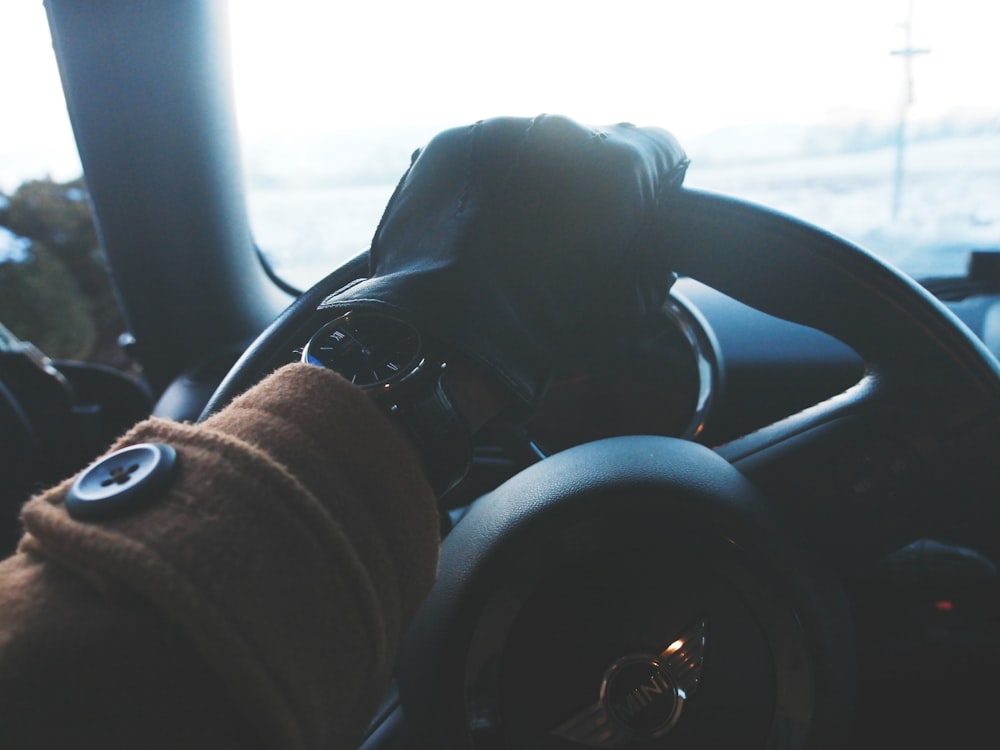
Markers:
point(863, 475)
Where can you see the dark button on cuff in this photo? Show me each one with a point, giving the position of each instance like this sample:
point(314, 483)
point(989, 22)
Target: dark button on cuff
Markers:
point(122, 482)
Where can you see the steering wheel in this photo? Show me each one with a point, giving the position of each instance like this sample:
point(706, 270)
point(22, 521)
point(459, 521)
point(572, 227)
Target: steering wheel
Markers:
point(653, 592)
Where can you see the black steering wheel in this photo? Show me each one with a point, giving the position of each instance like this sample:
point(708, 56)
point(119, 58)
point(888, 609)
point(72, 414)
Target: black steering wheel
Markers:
point(652, 592)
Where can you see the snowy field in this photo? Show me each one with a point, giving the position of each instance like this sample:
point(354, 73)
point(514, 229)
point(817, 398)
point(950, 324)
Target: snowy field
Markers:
point(950, 204)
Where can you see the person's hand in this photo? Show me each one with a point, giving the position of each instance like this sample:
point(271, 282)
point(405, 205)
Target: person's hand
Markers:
point(518, 241)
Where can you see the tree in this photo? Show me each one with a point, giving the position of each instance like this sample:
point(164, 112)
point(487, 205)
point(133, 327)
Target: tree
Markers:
point(59, 295)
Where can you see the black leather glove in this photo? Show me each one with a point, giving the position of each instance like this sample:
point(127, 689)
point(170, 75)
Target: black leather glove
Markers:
point(519, 240)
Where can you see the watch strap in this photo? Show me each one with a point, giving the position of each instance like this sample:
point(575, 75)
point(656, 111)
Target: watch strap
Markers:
point(439, 431)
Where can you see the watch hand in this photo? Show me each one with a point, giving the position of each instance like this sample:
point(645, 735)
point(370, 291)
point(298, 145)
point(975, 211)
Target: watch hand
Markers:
point(364, 350)
point(342, 333)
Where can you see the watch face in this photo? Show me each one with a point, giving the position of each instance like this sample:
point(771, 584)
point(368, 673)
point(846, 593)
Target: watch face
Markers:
point(366, 348)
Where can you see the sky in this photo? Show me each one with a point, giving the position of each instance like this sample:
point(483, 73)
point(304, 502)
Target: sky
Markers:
point(35, 135)
point(311, 67)
point(688, 66)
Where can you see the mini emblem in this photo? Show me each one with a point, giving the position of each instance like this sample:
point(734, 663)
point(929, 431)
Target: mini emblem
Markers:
point(641, 695)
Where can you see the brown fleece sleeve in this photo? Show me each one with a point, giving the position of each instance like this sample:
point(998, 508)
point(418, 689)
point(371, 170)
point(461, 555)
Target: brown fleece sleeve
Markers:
point(280, 565)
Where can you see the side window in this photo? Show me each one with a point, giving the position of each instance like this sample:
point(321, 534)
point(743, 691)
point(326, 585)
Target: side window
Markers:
point(67, 389)
point(54, 287)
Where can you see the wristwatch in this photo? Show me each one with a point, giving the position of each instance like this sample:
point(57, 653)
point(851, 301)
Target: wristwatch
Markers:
point(388, 358)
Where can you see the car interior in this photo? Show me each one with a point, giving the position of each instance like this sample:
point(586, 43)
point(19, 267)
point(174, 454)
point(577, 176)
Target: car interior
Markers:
point(783, 486)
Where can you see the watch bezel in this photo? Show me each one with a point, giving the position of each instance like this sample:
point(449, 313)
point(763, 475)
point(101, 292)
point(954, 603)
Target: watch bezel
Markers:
point(410, 371)
point(417, 396)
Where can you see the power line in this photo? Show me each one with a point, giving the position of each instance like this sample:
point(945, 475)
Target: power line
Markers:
point(907, 53)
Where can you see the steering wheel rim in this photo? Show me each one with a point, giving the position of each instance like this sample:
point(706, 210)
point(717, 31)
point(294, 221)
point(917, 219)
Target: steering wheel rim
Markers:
point(916, 353)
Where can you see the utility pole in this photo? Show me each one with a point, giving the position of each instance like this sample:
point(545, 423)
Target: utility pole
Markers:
point(907, 52)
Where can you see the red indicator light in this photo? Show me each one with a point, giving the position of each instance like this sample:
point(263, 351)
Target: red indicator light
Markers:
point(944, 605)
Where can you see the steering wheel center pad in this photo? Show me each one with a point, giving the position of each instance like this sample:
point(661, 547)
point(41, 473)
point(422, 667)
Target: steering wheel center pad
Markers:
point(614, 548)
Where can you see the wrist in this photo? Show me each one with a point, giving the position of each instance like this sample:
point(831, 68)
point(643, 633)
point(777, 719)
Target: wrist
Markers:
point(477, 396)
point(439, 401)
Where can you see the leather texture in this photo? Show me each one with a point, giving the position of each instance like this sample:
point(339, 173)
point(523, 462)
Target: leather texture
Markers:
point(520, 240)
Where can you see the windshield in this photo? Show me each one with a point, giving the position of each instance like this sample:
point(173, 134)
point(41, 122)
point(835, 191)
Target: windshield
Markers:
point(36, 140)
point(876, 119)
